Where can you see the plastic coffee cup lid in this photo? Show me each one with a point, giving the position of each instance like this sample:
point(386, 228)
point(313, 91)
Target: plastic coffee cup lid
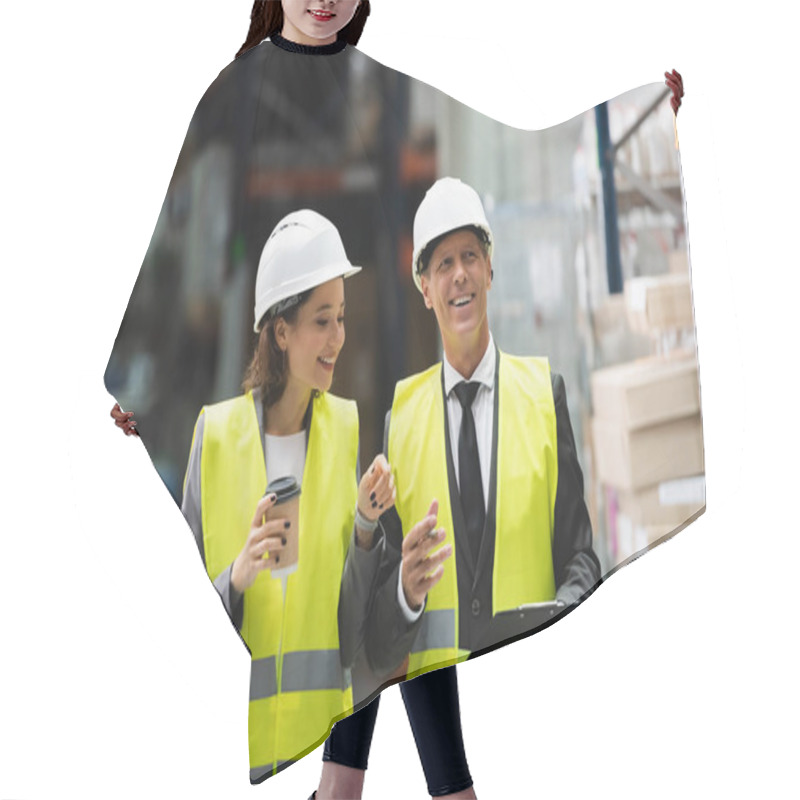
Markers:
point(286, 488)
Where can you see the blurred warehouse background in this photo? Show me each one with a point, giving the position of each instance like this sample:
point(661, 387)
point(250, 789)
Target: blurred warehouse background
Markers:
point(590, 259)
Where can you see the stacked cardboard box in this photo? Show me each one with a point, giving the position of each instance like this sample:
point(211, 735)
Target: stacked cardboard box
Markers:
point(647, 425)
point(659, 303)
point(613, 340)
point(644, 517)
point(648, 447)
point(667, 503)
point(678, 261)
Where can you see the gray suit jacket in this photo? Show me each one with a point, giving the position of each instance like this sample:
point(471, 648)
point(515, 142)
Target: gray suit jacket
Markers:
point(389, 636)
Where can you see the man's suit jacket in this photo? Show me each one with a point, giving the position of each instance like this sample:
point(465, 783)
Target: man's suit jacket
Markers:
point(389, 635)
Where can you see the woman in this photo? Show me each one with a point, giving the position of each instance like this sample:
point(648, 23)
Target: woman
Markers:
point(286, 424)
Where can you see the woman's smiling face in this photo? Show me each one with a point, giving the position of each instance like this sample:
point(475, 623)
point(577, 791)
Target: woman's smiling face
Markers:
point(313, 341)
point(316, 22)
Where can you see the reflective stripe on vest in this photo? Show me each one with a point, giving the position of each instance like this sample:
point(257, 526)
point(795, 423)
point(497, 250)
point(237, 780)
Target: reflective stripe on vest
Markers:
point(297, 685)
point(259, 774)
point(302, 672)
point(527, 468)
point(311, 671)
point(263, 678)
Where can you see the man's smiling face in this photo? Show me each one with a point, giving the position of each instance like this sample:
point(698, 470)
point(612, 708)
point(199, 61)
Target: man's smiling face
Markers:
point(455, 285)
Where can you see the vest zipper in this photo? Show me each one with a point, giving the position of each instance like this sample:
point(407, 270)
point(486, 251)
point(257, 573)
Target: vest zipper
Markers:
point(279, 668)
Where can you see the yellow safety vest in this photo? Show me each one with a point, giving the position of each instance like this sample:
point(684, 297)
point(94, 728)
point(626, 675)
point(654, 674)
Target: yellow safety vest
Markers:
point(297, 685)
point(527, 475)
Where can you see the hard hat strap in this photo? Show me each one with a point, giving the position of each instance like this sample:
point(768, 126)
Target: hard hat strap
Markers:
point(282, 306)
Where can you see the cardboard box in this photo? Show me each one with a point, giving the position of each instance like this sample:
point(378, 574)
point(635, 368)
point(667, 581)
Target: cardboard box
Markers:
point(669, 503)
point(635, 458)
point(646, 392)
point(613, 340)
point(659, 303)
point(611, 317)
point(678, 261)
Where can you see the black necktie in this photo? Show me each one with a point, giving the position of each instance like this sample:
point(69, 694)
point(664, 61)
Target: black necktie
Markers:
point(469, 467)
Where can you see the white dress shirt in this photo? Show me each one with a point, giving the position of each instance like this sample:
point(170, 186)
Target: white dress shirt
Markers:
point(483, 412)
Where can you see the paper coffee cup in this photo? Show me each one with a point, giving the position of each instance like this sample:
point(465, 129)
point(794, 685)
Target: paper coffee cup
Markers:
point(287, 506)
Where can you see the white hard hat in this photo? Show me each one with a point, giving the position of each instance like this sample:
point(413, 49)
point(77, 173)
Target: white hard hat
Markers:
point(304, 251)
point(448, 205)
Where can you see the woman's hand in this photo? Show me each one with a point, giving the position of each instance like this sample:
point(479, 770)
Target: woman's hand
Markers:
point(421, 571)
point(376, 492)
point(263, 538)
point(124, 420)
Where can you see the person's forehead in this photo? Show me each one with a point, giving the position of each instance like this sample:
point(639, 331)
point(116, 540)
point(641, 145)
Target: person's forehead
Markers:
point(329, 293)
point(455, 240)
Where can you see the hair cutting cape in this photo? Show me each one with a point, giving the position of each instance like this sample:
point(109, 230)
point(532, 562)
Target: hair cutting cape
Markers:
point(594, 444)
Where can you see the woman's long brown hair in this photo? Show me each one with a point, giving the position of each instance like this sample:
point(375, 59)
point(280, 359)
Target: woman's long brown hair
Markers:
point(269, 370)
point(266, 19)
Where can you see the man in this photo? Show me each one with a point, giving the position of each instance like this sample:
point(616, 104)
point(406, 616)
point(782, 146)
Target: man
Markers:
point(481, 445)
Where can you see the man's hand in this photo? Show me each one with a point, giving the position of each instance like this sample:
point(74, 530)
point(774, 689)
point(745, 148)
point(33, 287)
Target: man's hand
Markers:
point(421, 571)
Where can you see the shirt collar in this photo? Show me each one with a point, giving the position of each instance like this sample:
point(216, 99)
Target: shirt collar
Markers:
point(484, 372)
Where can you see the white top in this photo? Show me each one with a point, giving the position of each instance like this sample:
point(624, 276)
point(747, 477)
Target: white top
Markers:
point(285, 456)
